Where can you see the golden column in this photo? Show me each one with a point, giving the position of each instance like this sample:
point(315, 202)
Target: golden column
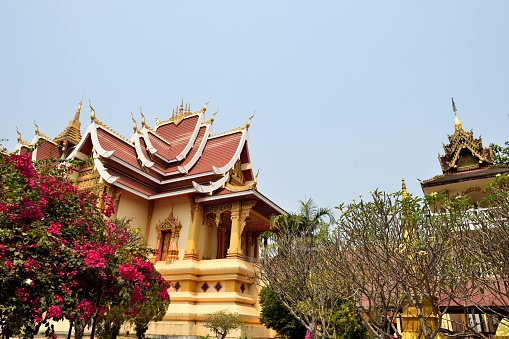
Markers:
point(193, 237)
point(410, 321)
point(240, 211)
point(210, 224)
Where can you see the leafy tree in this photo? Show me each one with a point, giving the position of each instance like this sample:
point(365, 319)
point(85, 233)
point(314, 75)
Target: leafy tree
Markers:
point(295, 266)
point(223, 322)
point(348, 323)
point(275, 315)
point(60, 255)
point(500, 154)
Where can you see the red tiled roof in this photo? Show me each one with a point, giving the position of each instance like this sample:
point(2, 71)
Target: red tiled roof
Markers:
point(47, 150)
point(179, 136)
point(218, 152)
point(196, 145)
point(132, 183)
point(123, 150)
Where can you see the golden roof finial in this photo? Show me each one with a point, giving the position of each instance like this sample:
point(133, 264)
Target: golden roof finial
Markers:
point(135, 126)
point(92, 111)
point(214, 115)
point(205, 106)
point(188, 107)
point(173, 113)
point(142, 118)
point(19, 135)
point(36, 128)
point(457, 123)
point(248, 123)
point(404, 192)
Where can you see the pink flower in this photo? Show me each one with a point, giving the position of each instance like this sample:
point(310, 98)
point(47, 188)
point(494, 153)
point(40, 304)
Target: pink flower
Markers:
point(54, 228)
point(53, 312)
point(129, 273)
point(9, 264)
point(59, 299)
point(94, 259)
point(30, 211)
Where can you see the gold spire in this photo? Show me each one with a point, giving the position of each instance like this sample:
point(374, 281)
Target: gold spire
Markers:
point(72, 132)
point(457, 123)
point(404, 192)
point(36, 128)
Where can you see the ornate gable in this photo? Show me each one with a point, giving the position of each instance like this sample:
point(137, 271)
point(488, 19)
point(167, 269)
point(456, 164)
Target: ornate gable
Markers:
point(464, 152)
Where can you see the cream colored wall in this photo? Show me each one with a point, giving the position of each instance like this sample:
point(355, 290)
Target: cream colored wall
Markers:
point(181, 211)
point(133, 207)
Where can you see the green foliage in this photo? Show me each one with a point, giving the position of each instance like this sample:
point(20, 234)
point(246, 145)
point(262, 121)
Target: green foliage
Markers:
point(223, 322)
point(347, 323)
point(275, 315)
point(500, 154)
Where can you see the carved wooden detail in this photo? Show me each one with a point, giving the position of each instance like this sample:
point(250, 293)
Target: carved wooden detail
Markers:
point(168, 233)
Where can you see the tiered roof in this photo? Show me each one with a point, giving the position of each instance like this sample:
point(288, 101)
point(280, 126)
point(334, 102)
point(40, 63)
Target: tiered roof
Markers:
point(179, 156)
point(465, 158)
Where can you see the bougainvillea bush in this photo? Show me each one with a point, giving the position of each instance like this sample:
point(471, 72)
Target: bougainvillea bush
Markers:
point(60, 257)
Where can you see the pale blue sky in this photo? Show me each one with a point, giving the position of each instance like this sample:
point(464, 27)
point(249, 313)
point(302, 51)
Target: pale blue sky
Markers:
point(349, 95)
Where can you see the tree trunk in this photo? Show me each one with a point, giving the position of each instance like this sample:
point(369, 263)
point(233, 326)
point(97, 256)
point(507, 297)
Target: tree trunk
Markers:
point(70, 329)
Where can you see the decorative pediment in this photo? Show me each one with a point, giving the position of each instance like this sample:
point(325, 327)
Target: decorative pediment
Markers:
point(169, 223)
point(464, 152)
point(168, 233)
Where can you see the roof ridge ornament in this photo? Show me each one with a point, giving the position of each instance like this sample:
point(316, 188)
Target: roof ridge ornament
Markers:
point(143, 123)
point(135, 126)
point(457, 123)
point(248, 123)
point(92, 111)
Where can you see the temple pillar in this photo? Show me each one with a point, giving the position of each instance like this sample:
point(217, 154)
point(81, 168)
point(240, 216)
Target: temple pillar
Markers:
point(210, 225)
point(234, 251)
point(191, 251)
point(240, 211)
point(149, 218)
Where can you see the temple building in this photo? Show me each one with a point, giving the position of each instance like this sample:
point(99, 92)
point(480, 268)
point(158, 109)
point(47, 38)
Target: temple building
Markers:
point(467, 167)
point(194, 196)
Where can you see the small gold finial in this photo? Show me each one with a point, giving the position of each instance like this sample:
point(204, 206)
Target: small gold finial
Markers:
point(205, 106)
point(142, 118)
point(19, 135)
point(157, 121)
point(173, 113)
point(135, 126)
point(214, 115)
point(36, 128)
point(404, 192)
point(92, 111)
point(248, 123)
